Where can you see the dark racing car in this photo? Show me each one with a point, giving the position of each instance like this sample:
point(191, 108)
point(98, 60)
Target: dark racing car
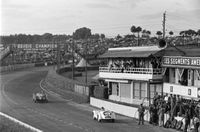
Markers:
point(40, 97)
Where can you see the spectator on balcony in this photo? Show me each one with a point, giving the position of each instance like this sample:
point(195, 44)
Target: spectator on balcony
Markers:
point(110, 67)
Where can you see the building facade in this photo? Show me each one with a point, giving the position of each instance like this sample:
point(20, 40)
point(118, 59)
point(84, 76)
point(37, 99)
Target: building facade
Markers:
point(133, 74)
point(182, 72)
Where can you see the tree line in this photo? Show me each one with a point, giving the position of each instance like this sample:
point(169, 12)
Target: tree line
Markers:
point(85, 33)
point(81, 33)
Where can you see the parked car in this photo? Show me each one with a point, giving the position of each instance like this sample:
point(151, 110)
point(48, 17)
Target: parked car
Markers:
point(102, 114)
point(40, 97)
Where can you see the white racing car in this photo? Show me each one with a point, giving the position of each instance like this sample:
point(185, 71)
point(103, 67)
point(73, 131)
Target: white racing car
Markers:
point(40, 97)
point(102, 114)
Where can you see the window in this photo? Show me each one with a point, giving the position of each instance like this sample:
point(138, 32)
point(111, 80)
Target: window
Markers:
point(125, 90)
point(171, 88)
point(189, 92)
point(115, 88)
point(140, 90)
point(137, 90)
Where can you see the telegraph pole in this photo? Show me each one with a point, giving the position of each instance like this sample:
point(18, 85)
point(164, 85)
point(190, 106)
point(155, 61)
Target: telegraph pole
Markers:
point(72, 59)
point(86, 62)
point(164, 20)
point(58, 56)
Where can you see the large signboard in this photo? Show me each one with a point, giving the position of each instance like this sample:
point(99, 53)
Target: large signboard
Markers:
point(35, 46)
point(171, 61)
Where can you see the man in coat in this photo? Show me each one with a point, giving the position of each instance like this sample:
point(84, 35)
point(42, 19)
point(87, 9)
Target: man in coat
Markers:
point(141, 111)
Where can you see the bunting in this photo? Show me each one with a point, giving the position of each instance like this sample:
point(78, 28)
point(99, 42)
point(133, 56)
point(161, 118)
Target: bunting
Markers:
point(164, 70)
point(180, 72)
point(198, 73)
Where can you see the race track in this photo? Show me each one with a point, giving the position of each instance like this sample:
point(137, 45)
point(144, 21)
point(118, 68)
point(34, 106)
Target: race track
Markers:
point(58, 115)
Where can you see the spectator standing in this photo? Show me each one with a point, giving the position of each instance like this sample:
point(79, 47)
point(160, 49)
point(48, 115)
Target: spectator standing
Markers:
point(161, 112)
point(196, 123)
point(141, 114)
point(151, 113)
point(187, 120)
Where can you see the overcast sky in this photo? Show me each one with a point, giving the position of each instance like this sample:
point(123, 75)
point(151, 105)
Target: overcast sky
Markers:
point(110, 17)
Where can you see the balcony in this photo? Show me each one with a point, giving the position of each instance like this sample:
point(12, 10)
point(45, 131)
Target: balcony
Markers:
point(130, 73)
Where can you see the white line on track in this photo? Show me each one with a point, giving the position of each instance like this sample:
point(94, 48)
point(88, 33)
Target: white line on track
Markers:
point(53, 93)
point(21, 123)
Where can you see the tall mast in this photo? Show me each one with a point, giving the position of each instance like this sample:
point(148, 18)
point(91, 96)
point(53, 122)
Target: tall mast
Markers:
point(164, 20)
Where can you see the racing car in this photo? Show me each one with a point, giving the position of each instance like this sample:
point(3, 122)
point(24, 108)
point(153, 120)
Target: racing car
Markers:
point(40, 97)
point(102, 114)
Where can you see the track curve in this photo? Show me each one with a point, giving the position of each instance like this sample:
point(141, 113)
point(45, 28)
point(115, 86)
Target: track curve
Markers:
point(58, 115)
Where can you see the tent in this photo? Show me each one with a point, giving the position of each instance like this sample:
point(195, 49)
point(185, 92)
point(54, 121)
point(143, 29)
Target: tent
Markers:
point(82, 63)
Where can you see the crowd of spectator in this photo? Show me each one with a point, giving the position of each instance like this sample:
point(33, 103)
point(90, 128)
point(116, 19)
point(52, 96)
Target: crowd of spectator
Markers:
point(175, 106)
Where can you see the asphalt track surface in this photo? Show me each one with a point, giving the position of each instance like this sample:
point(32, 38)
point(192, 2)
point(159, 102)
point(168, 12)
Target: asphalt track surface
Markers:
point(58, 115)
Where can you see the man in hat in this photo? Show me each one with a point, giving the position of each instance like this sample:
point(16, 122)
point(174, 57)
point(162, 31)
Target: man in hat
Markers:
point(141, 114)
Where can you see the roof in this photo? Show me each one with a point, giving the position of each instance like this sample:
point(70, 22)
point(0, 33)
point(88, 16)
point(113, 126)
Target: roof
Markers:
point(179, 51)
point(137, 52)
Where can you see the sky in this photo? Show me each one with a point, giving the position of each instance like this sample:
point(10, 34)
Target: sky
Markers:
point(110, 17)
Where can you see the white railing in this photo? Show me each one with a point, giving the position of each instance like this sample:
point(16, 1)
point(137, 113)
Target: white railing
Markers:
point(157, 71)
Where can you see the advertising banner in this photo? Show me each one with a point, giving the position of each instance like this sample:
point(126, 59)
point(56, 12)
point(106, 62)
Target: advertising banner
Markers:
point(171, 61)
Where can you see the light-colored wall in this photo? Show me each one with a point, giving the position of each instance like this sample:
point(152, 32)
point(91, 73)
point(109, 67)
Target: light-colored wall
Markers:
point(180, 90)
point(117, 108)
point(125, 76)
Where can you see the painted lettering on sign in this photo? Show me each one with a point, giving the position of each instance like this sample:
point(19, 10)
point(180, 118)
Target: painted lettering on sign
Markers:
point(182, 61)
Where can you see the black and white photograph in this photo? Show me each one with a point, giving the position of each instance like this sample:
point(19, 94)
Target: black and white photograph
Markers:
point(99, 65)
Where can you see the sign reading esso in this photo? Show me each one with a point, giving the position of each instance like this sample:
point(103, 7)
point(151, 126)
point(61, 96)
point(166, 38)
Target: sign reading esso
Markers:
point(198, 92)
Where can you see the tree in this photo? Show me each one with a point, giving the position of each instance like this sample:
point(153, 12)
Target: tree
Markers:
point(136, 30)
point(47, 37)
point(148, 32)
point(171, 33)
point(198, 32)
point(118, 37)
point(96, 36)
point(159, 33)
point(102, 36)
point(82, 33)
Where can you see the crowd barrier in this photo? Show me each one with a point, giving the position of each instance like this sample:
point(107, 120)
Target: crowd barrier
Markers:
point(15, 67)
point(60, 82)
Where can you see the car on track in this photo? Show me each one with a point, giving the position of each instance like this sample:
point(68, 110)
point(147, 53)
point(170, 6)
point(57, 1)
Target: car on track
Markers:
point(40, 97)
point(102, 114)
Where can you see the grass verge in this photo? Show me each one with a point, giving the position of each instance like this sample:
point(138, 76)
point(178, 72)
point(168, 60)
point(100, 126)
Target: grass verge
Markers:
point(7, 125)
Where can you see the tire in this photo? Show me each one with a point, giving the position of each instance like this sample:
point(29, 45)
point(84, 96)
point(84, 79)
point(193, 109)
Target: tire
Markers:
point(167, 124)
point(179, 125)
point(99, 120)
point(174, 122)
